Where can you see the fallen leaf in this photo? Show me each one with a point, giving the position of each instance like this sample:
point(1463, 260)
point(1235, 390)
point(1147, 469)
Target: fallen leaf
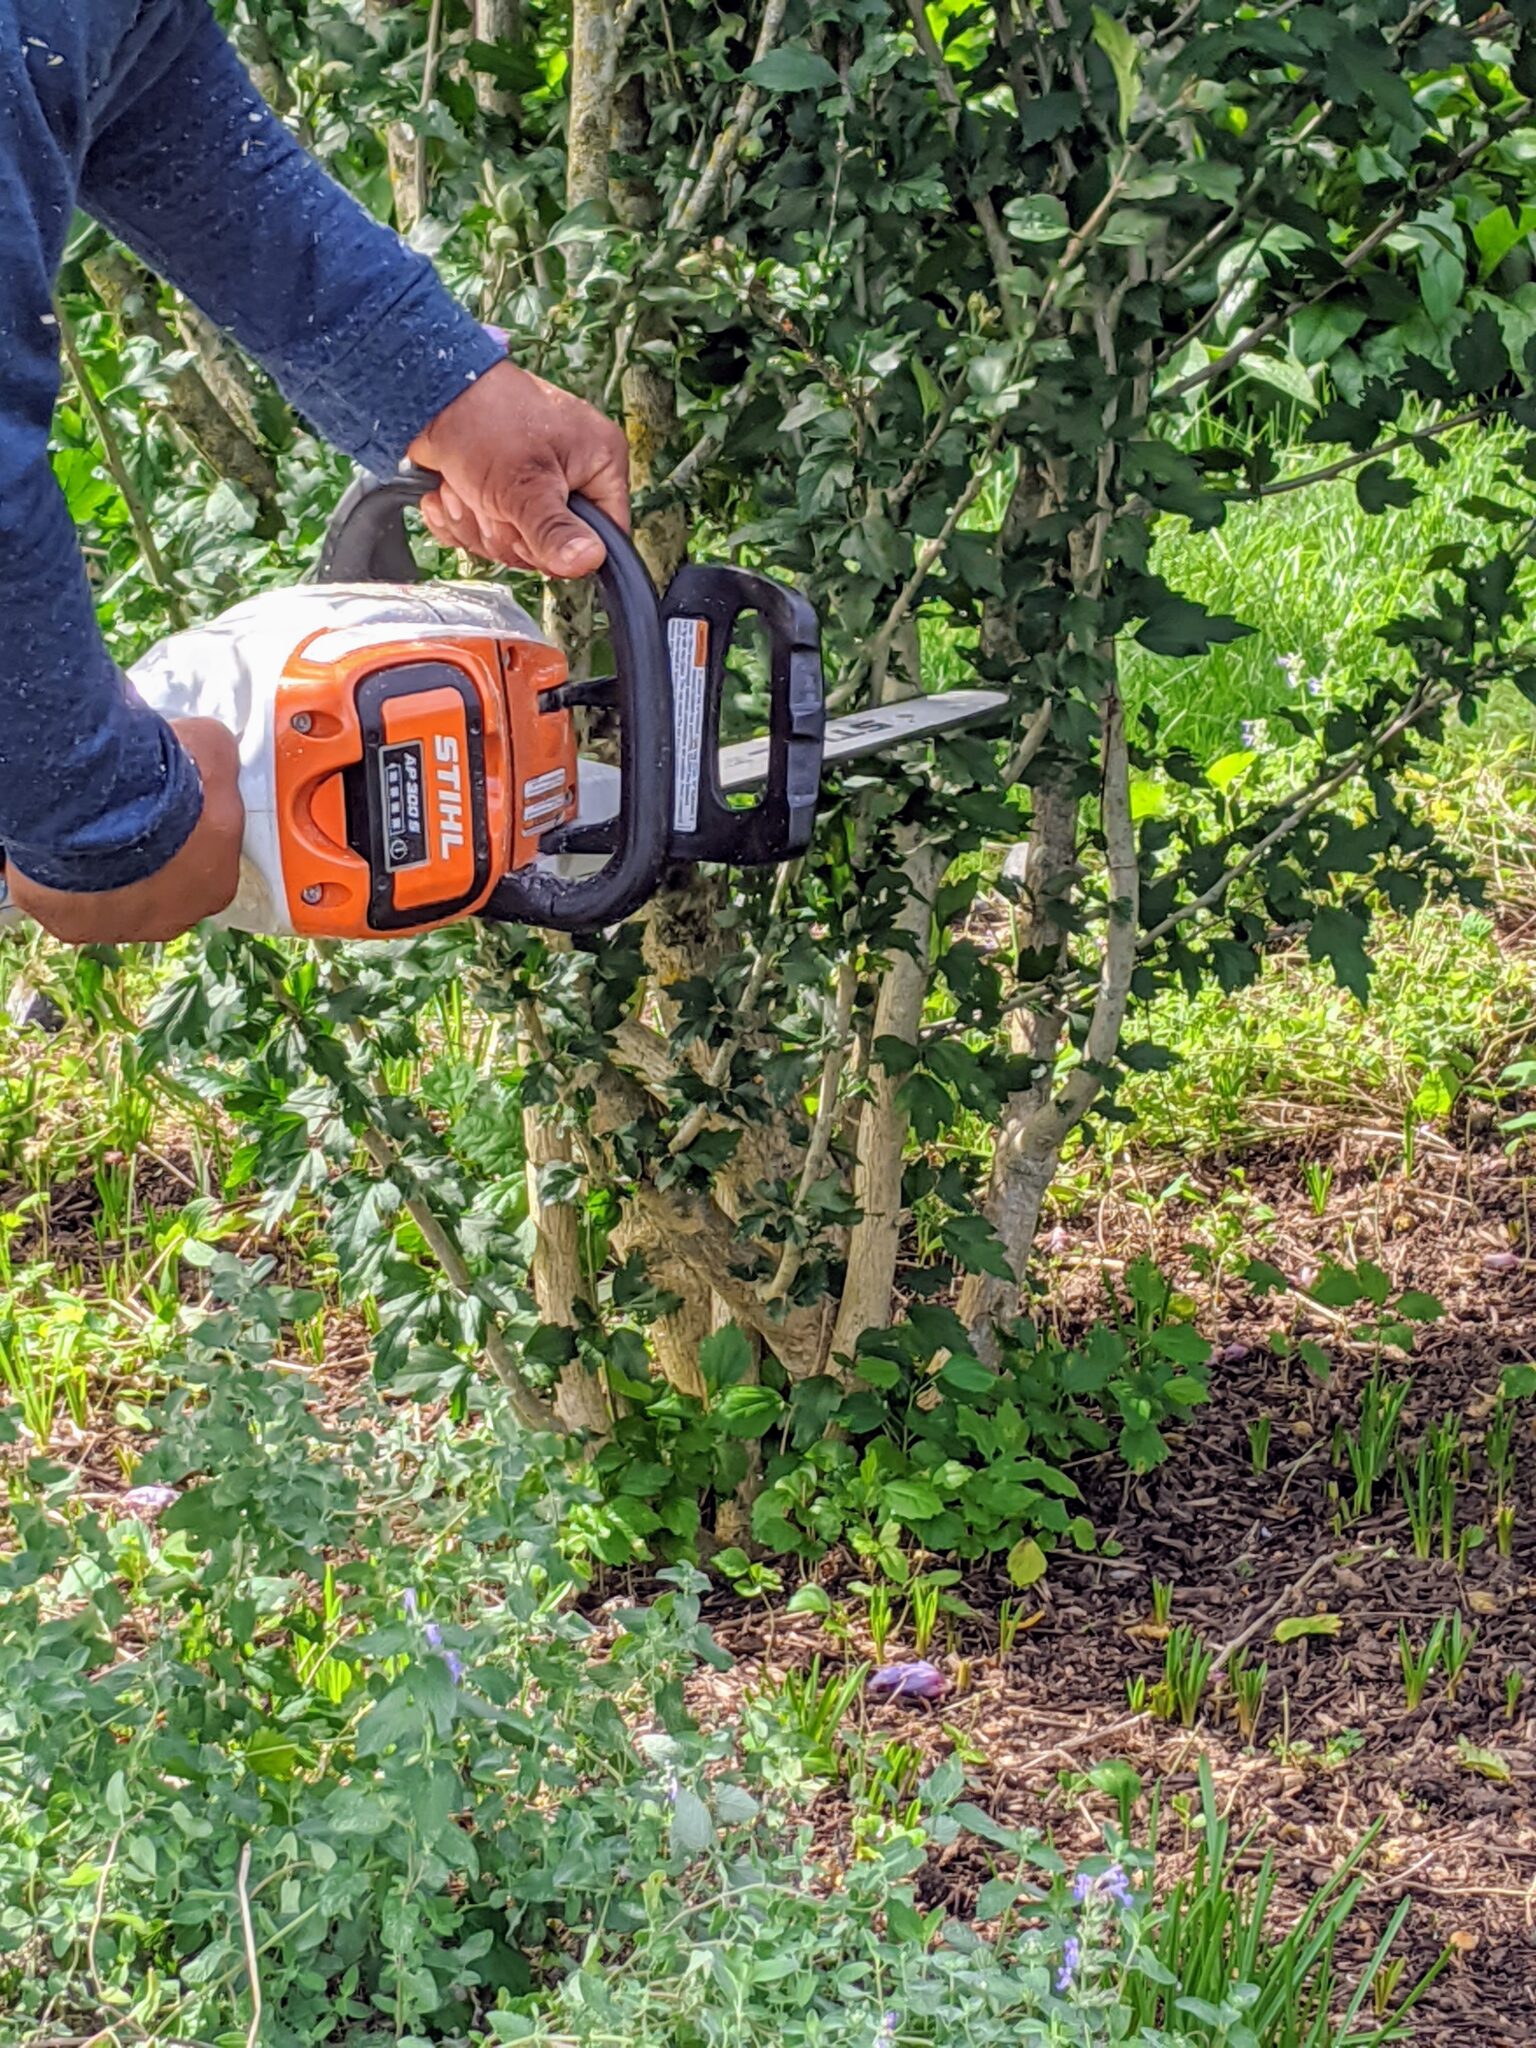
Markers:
point(1297, 1625)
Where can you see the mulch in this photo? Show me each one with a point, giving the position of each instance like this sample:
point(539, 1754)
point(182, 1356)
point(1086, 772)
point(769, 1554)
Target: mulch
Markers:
point(1339, 1765)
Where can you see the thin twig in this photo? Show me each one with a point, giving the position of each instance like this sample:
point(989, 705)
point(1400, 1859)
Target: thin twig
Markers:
point(1030, 743)
point(720, 1065)
point(1346, 463)
point(873, 652)
point(687, 212)
point(986, 212)
point(1286, 1601)
point(820, 1146)
point(1388, 225)
point(248, 1936)
point(106, 434)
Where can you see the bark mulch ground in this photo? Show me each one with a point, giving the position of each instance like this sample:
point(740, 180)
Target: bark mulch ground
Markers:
point(1442, 1797)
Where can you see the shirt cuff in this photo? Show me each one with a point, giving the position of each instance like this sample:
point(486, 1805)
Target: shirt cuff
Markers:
point(405, 370)
point(93, 864)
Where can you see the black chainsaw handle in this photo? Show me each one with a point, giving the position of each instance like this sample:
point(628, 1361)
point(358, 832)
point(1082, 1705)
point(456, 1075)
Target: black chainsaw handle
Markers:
point(366, 543)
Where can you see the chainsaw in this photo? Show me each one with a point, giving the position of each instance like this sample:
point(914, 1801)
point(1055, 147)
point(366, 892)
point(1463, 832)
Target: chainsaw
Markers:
point(409, 755)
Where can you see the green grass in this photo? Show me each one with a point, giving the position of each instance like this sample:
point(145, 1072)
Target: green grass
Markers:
point(1450, 1009)
point(1315, 578)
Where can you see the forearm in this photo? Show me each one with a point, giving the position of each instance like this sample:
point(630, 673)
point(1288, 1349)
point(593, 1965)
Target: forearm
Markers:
point(197, 174)
point(95, 792)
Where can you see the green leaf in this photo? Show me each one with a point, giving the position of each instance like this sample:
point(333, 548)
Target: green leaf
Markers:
point(1295, 1626)
point(1038, 218)
point(693, 1827)
point(725, 1357)
point(1478, 354)
point(972, 1243)
point(792, 68)
point(1124, 54)
point(1179, 626)
point(1377, 488)
point(1418, 1308)
point(1027, 1563)
point(809, 1600)
point(929, 1106)
point(1283, 374)
point(1338, 936)
point(911, 1500)
point(748, 1411)
point(968, 1375)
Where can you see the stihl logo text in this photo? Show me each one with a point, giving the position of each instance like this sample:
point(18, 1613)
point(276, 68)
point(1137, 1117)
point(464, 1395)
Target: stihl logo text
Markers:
point(450, 796)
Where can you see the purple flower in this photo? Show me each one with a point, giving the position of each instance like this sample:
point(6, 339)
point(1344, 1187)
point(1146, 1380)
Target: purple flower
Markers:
point(885, 2033)
point(1111, 1884)
point(432, 1635)
point(917, 1680)
point(1071, 1963)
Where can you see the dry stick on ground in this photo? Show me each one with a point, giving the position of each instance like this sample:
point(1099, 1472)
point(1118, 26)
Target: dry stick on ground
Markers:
point(1286, 1601)
point(106, 434)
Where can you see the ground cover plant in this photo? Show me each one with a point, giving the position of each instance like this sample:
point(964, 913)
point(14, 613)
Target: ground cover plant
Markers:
point(1057, 1258)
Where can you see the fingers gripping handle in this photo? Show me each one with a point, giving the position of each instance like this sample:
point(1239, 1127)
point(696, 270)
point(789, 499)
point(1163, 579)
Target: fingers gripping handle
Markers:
point(366, 543)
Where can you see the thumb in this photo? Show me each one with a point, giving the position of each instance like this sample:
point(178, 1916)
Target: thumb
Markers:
point(558, 543)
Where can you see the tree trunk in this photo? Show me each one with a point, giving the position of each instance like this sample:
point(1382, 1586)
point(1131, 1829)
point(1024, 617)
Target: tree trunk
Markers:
point(589, 117)
point(882, 1136)
point(224, 369)
point(1016, 1185)
point(500, 23)
point(399, 141)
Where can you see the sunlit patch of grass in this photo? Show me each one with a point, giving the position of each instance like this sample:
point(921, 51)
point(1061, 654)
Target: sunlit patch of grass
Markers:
point(1315, 578)
point(1450, 1008)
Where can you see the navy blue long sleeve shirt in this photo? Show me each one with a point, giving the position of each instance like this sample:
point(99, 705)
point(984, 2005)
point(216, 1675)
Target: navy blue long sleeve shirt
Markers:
point(139, 113)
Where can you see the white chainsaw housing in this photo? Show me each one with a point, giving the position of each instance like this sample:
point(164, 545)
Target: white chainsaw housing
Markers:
point(230, 668)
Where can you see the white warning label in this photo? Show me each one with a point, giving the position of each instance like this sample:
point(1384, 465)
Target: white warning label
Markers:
point(688, 652)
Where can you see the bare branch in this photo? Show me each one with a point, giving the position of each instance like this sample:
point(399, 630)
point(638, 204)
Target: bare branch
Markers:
point(1346, 463)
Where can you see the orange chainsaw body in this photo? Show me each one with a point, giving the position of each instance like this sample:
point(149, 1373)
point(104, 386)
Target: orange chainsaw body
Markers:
point(411, 776)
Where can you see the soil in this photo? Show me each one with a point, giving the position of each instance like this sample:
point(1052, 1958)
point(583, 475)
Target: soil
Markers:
point(1339, 1766)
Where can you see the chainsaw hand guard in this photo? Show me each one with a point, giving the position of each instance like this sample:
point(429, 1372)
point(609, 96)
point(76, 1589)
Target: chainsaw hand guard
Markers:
point(366, 543)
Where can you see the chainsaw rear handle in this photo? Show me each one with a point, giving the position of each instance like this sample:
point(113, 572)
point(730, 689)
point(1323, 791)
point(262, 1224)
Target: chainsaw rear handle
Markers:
point(366, 543)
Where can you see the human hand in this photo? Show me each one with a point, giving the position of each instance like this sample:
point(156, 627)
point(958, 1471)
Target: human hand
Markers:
point(510, 452)
point(198, 881)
